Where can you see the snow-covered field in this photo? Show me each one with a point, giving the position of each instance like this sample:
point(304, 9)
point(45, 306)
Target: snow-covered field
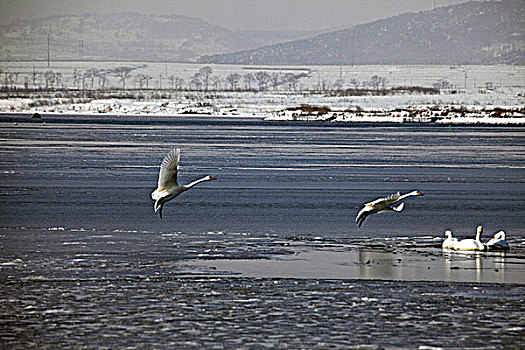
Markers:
point(478, 94)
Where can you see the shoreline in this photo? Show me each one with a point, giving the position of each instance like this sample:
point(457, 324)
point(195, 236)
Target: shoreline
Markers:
point(373, 117)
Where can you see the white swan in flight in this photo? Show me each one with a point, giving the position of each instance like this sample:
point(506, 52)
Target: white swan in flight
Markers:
point(450, 241)
point(383, 204)
point(168, 186)
point(471, 244)
point(498, 242)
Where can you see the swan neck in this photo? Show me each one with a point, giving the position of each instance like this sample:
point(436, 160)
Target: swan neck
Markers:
point(407, 195)
point(478, 236)
point(191, 184)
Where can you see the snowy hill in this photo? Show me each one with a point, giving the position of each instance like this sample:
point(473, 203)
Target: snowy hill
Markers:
point(469, 33)
point(128, 36)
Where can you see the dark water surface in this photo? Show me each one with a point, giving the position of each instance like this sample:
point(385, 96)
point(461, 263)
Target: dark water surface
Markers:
point(85, 262)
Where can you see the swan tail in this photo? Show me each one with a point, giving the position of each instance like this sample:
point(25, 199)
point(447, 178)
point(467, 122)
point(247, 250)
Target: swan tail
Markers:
point(155, 195)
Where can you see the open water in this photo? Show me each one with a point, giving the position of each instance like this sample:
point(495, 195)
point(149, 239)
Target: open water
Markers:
point(86, 263)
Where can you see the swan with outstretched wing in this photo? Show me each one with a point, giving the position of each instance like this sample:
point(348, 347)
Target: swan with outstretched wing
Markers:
point(168, 184)
point(384, 204)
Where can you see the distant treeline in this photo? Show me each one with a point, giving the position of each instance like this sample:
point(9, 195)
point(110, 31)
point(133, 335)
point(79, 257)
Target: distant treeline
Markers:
point(131, 78)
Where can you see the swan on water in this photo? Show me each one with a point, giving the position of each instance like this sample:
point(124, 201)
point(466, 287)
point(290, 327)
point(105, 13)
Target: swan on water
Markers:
point(384, 204)
point(498, 242)
point(168, 185)
point(471, 244)
point(450, 241)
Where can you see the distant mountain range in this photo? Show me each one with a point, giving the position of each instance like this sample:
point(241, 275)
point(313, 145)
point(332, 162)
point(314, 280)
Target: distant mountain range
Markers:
point(128, 36)
point(469, 33)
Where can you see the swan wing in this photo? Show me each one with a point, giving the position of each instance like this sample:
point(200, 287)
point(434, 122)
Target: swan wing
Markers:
point(387, 201)
point(399, 207)
point(169, 169)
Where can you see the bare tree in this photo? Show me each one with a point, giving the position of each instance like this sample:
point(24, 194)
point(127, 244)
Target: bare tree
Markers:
point(91, 74)
point(196, 81)
point(233, 79)
point(262, 79)
point(441, 84)
point(175, 83)
point(102, 79)
point(140, 78)
point(338, 84)
point(205, 74)
point(58, 80)
point(216, 80)
point(36, 77)
point(10, 79)
point(143, 80)
point(76, 77)
point(291, 79)
point(148, 79)
point(6, 80)
point(178, 83)
point(377, 81)
point(50, 78)
point(275, 79)
point(354, 82)
point(123, 73)
point(248, 80)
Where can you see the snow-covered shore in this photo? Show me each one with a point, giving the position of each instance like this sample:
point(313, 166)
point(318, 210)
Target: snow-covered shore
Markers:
point(411, 114)
point(493, 108)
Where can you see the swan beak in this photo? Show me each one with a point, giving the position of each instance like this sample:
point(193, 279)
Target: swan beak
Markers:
point(213, 178)
point(419, 194)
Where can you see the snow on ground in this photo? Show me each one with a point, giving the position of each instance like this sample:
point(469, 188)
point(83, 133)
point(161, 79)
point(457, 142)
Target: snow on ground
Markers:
point(502, 107)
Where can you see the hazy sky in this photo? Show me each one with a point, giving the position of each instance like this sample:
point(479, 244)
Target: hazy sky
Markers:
point(278, 15)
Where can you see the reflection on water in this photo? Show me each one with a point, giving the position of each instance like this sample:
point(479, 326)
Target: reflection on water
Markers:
point(426, 264)
point(389, 262)
point(481, 265)
point(376, 264)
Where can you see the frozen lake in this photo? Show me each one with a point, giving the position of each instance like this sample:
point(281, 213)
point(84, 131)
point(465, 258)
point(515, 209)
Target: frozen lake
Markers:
point(269, 254)
point(97, 172)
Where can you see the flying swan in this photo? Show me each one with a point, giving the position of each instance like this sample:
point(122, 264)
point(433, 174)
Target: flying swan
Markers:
point(168, 186)
point(471, 244)
point(384, 204)
point(498, 242)
point(450, 241)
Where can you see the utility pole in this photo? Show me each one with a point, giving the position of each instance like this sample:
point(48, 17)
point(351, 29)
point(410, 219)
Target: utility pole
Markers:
point(80, 50)
point(48, 49)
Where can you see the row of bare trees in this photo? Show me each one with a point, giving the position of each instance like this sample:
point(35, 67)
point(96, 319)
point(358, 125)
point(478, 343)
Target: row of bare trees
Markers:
point(203, 80)
point(260, 80)
point(47, 79)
